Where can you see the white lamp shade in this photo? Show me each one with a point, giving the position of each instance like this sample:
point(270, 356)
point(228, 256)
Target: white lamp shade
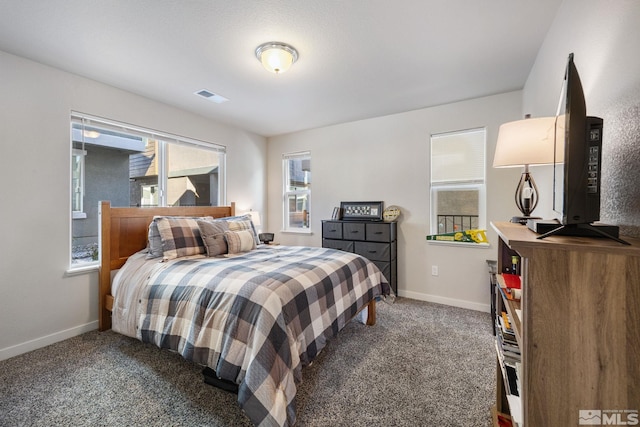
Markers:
point(255, 218)
point(526, 142)
point(276, 60)
point(276, 57)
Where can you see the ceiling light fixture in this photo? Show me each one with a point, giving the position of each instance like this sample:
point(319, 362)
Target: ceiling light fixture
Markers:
point(276, 57)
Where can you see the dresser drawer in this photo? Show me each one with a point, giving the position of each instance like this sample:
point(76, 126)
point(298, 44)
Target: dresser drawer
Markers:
point(343, 245)
point(353, 231)
point(375, 251)
point(380, 232)
point(332, 230)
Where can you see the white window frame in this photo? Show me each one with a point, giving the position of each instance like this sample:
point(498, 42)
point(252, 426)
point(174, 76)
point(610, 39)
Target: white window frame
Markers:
point(163, 139)
point(458, 185)
point(78, 213)
point(286, 193)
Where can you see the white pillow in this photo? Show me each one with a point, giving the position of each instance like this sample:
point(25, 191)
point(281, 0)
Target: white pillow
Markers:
point(240, 241)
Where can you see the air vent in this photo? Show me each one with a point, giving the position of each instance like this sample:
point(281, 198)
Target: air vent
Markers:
point(213, 97)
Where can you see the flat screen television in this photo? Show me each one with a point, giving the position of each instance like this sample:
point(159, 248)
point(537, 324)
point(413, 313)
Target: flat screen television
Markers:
point(577, 160)
point(578, 154)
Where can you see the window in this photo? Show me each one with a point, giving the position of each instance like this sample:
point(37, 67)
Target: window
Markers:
point(77, 182)
point(296, 168)
point(132, 166)
point(458, 181)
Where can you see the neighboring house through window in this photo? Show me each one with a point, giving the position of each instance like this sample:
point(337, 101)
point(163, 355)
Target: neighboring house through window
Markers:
point(296, 171)
point(458, 190)
point(133, 166)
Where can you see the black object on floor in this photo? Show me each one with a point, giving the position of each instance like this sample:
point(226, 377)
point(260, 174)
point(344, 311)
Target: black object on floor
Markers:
point(211, 378)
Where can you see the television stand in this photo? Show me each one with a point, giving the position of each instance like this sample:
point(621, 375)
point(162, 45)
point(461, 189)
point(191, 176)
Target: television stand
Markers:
point(583, 230)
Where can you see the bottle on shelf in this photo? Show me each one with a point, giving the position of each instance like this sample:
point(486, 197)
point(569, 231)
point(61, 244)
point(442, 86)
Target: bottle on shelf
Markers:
point(515, 265)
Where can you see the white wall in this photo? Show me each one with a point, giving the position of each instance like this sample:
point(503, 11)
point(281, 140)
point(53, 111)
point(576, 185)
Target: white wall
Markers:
point(39, 302)
point(605, 38)
point(387, 158)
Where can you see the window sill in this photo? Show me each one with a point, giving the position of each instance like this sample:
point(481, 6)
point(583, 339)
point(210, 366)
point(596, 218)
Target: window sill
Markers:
point(76, 271)
point(79, 215)
point(301, 231)
point(460, 244)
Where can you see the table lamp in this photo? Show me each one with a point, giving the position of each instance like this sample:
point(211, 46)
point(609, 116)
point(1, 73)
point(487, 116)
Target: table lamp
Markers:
point(523, 143)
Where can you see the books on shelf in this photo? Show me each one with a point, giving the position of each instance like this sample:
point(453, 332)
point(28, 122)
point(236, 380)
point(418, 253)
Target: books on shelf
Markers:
point(511, 287)
point(508, 295)
point(510, 367)
point(509, 353)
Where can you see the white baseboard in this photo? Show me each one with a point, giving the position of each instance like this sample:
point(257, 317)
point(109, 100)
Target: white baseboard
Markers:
point(37, 343)
point(446, 301)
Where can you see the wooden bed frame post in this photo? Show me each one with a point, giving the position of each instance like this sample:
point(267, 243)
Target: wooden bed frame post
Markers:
point(104, 314)
point(371, 312)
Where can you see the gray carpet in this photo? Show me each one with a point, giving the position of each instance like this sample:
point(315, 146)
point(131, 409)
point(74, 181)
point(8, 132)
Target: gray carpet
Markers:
point(422, 364)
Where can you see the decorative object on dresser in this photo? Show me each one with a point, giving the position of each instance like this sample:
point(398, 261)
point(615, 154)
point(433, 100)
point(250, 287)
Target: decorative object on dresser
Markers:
point(391, 213)
point(336, 213)
point(359, 211)
point(373, 240)
point(568, 341)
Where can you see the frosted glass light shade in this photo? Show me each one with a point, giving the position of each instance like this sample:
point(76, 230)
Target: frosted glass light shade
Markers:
point(276, 57)
point(526, 142)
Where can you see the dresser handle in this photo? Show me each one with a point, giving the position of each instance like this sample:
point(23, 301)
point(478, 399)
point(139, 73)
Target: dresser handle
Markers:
point(378, 232)
point(372, 252)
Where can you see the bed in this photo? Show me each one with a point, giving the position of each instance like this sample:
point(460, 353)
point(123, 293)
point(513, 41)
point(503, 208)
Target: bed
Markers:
point(254, 317)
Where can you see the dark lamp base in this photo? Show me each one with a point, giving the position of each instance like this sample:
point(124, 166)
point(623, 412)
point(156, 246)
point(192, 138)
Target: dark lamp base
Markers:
point(523, 219)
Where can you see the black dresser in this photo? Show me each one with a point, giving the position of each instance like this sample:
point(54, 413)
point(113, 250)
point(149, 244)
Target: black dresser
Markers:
point(373, 240)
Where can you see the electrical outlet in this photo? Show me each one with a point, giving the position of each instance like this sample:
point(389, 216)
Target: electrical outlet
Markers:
point(434, 270)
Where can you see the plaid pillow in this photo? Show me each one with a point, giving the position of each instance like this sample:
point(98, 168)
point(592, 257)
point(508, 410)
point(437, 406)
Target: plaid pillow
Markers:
point(180, 237)
point(237, 223)
point(154, 240)
point(240, 241)
point(212, 233)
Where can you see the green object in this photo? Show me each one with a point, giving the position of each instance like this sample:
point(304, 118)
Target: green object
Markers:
point(467, 236)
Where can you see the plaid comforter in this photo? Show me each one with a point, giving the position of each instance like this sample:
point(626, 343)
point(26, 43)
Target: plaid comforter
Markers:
point(257, 319)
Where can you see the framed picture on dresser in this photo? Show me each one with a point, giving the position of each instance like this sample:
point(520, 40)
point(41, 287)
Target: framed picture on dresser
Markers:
point(360, 211)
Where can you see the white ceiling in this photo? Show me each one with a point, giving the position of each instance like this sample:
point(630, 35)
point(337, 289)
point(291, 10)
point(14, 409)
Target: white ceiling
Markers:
point(358, 58)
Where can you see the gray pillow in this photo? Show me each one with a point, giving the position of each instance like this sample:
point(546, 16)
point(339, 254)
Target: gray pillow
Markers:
point(212, 233)
point(155, 241)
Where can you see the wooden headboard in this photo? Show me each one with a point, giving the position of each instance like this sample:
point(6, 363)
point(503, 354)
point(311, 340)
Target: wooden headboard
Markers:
point(124, 231)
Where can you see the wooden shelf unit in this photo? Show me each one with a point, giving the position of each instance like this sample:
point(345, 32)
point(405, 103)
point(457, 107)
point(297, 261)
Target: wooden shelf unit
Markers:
point(580, 330)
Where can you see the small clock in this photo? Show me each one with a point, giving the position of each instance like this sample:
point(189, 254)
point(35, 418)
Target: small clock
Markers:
point(371, 211)
point(391, 213)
